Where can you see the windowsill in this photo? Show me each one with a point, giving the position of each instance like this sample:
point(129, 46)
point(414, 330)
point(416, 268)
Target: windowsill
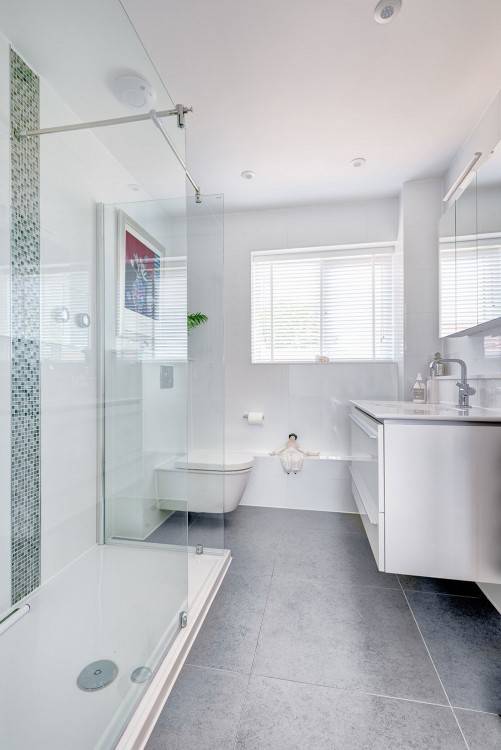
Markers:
point(331, 362)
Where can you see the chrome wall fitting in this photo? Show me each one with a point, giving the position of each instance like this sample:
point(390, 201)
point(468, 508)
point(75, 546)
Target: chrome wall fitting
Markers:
point(82, 320)
point(183, 619)
point(199, 549)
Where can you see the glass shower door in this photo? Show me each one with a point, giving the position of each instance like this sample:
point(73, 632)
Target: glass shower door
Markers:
point(210, 490)
point(145, 370)
point(144, 435)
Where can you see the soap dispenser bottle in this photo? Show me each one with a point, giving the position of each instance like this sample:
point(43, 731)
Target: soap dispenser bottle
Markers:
point(419, 390)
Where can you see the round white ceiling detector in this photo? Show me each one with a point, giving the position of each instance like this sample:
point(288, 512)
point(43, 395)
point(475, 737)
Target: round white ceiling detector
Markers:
point(247, 174)
point(134, 91)
point(358, 162)
point(386, 10)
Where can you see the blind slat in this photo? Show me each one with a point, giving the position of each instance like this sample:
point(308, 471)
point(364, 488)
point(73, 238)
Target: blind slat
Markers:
point(470, 283)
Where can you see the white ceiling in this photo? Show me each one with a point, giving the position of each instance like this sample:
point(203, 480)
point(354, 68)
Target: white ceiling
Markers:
point(295, 89)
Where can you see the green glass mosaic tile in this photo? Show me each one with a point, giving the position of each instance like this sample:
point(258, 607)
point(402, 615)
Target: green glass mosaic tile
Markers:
point(25, 330)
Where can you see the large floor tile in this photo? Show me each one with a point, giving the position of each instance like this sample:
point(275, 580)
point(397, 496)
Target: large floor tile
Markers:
point(439, 586)
point(253, 559)
point(320, 555)
point(296, 521)
point(464, 638)
point(229, 635)
point(252, 538)
point(202, 711)
point(358, 638)
point(280, 715)
point(482, 731)
point(251, 519)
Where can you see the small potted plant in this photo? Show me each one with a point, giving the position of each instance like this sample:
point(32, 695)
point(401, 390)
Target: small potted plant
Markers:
point(196, 319)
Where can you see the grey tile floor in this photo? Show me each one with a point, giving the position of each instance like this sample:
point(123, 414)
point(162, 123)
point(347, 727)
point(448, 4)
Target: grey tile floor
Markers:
point(307, 645)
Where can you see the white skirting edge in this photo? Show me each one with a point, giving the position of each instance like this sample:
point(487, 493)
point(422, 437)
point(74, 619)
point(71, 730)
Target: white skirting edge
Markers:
point(145, 717)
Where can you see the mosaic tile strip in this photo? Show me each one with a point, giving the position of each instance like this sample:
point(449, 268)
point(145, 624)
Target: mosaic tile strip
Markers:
point(25, 331)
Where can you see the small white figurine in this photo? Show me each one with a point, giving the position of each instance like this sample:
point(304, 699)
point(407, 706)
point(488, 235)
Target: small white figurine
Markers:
point(291, 455)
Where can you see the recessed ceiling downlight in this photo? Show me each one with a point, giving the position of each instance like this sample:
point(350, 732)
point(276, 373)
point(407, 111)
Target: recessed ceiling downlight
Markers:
point(134, 91)
point(386, 10)
point(358, 162)
point(247, 174)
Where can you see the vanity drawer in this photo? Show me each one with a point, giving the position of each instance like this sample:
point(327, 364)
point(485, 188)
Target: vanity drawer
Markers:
point(373, 525)
point(367, 465)
point(367, 474)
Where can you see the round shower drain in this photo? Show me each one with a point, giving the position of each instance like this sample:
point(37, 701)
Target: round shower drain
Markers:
point(141, 674)
point(97, 675)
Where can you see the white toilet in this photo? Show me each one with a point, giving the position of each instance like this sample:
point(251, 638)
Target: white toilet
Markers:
point(211, 485)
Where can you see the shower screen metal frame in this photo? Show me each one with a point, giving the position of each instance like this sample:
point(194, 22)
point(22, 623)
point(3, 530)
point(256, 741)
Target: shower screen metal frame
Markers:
point(179, 111)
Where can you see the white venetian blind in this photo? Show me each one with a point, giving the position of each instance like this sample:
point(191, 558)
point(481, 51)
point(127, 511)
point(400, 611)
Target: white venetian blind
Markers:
point(170, 341)
point(447, 287)
point(489, 278)
point(334, 302)
point(470, 281)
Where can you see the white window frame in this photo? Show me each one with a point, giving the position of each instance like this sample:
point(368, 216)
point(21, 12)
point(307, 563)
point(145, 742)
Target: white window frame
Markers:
point(329, 251)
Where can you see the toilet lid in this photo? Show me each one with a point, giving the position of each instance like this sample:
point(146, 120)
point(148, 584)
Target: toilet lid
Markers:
point(211, 461)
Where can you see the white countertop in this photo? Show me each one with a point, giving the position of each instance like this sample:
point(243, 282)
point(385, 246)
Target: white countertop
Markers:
point(382, 410)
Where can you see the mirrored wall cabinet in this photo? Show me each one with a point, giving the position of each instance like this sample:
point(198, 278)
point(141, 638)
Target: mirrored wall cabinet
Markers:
point(470, 254)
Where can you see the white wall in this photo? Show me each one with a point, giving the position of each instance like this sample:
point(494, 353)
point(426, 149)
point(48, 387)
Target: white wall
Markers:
point(311, 400)
point(206, 343)
point(420, 206)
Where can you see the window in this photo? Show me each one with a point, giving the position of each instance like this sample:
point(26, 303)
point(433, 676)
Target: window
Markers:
point(335, 302)
point(470, 281)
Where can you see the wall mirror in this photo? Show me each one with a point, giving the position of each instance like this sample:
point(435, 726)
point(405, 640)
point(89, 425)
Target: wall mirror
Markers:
point(470, 254)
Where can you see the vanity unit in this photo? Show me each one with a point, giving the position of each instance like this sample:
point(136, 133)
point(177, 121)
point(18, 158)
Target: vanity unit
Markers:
point(426, 479)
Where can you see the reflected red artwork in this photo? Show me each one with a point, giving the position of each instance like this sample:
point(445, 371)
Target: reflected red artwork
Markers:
point(142, 274)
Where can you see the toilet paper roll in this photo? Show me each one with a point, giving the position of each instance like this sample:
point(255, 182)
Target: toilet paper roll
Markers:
point(255, 417)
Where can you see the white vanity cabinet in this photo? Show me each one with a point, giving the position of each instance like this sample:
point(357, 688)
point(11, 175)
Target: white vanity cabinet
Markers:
point(427, 483)
point(367, 478)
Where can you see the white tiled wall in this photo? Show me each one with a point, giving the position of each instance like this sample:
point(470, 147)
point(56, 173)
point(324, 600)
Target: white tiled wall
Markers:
point(310, 400)
point(420, 211)
point(77, 172)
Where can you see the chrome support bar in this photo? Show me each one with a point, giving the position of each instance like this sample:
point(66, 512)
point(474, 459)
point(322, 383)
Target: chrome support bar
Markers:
point(179, 111)
point(155, 116)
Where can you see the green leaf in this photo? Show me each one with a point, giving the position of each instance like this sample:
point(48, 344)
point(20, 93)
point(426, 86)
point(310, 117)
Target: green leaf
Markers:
point(196, 319)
